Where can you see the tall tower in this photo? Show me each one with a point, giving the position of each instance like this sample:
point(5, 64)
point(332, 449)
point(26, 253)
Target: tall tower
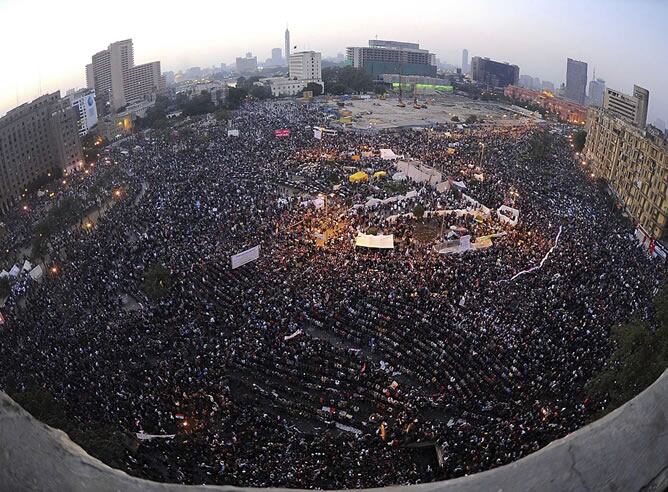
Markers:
point(465, 61)
point(287, 46)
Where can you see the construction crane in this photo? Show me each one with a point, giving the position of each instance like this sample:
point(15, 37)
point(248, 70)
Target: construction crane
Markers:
point(401, 103)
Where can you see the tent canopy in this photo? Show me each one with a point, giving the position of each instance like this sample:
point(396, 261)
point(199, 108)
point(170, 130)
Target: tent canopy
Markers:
point(358, 177)
point(379, 174)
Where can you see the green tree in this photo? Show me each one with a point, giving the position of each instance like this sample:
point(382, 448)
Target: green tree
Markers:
point(235, 97)
point(313, 87)
point(580, 140)
point(455, 119)
point(157, 280)
point(640, 356)
point(471, 119)
point(418, 211)
point(260, 92)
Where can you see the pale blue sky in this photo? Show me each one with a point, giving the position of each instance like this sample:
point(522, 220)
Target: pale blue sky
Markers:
point(50, 42)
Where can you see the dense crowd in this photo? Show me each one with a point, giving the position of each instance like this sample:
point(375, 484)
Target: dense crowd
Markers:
point(321, 364)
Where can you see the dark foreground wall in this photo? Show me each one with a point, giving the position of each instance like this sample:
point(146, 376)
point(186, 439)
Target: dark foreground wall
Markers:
point(625, 451)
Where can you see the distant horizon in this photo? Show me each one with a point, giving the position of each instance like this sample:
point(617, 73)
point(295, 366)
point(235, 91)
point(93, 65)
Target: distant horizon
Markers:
point(537, 36)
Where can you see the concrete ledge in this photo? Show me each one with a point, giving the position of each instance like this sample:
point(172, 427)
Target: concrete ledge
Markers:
point(626, 450)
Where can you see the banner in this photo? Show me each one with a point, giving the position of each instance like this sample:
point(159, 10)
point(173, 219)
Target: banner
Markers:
point(317, 133)
point(378, 242)
point(232, 133)
point(285, 132)
point(240, 259)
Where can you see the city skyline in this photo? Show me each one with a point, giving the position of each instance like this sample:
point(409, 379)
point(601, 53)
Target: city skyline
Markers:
point(539, 43)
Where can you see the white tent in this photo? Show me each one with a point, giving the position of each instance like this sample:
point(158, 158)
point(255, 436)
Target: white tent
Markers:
point(388, 154)
point(512, 212)
point(36, 273)
point(399, 176)
point(14, 272)
point(378, 242)
point(27, 266)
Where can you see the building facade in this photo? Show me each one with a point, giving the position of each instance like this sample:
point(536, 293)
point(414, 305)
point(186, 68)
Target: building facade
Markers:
point(565, 110)
point(116, 79)
point(83, 102)
point(465, 61)
point(392, 57)
point(493, 73)
point(596, 93)
point(634, 163)
point(576, 81)
point(306, 65)
point(632, 109)
point(247, 65)
point(287, 46)
point(36, 139)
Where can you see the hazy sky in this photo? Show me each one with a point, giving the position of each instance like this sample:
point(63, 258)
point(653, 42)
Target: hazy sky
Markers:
point(47, 43)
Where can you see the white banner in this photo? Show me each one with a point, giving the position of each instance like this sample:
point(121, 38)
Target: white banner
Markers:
point(240, 259)
point(232, 133)
point(317, 133)
point(379, 242)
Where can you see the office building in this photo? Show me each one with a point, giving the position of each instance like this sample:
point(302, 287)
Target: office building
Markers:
point(494, 74)
point(116, 79)
point(634, 163)
point(83, 102)
point(36, 139)
point(170, 78)
point(392, 57)
point(642, 95)
point(306, 65)
point(465, 61)
point(276, 59)
point(660, 124)
point(576, 81)
point(247, 65)
point(596, 93)
point(547, 86)
point(632, 109)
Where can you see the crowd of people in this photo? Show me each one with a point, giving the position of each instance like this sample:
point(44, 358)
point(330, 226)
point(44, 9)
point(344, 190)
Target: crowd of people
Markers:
point(322, 364)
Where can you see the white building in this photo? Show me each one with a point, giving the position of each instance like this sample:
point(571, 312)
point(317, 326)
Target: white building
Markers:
point(83, 102)
point(632, 109)
point(116, 79)
point(305, 65)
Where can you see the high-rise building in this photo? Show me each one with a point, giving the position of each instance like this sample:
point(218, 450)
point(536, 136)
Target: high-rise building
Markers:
point(576, 81)
point(596, 93)
point(660, 124)
point(635, 165)
point(392, 57)
point(247, 65)
point(83, 102)
point(547, 86)
point(116, 79)
point(632, 109)
point(287, 46)
point(642, 95)
point(465, 61)
point(493, 73)
point(306, 65)
point(36, 139)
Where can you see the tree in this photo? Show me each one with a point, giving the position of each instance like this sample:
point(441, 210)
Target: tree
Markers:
point(235, 97)
point(418, 211)
point(639, 358)
point(455, 119)
point(313, 87)
point(157, 280)
point(341, 80)
point(580, 140)
point(471, 119)
point(260, 92)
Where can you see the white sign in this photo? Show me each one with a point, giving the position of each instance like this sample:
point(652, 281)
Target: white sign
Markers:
point(317, 133)
point(379, 242)
point(232, 133)
point(240, 259)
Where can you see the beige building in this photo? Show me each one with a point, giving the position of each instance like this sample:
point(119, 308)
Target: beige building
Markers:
point(632, 109)
point(634, 163)
point(305, 65)
point(118, 82)
point(36, 139)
